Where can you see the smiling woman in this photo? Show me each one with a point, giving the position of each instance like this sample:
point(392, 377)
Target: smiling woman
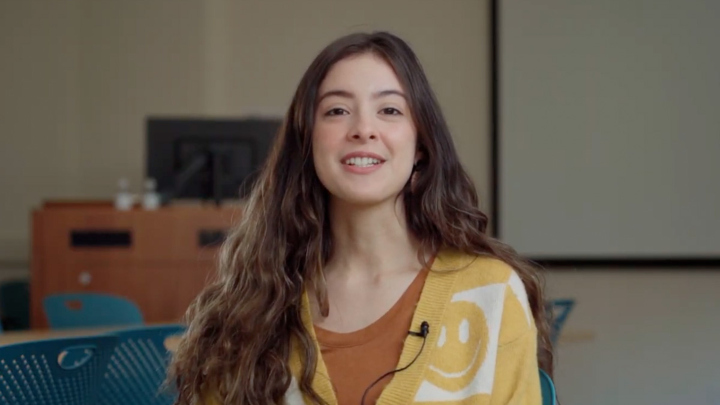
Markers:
point(361, 271)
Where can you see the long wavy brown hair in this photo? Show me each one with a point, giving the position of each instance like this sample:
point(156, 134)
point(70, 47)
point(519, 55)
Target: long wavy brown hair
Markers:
point(241, 326)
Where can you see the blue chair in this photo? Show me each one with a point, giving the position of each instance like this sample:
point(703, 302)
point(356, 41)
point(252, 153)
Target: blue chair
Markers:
point(89, 310)
point(547, 389)
point(138, 366)
point(558, 310)
point(65, 371)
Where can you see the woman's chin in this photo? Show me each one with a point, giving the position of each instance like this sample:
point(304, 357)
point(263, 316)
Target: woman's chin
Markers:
point(366, 200)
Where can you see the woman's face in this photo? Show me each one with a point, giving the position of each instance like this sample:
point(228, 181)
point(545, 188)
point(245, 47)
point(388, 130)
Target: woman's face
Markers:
point(364, 139)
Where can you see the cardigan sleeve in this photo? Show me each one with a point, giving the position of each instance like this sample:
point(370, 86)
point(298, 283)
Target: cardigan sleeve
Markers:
point(517, 380)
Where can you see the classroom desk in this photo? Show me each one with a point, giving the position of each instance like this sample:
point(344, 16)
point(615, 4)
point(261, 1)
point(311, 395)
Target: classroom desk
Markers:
point(10, 337)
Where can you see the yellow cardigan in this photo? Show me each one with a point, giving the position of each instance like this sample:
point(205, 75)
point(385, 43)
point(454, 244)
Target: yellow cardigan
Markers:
point(481, 346)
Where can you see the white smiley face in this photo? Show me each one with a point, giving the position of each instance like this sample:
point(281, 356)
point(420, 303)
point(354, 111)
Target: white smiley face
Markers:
point(462, 346)
point(463, 361)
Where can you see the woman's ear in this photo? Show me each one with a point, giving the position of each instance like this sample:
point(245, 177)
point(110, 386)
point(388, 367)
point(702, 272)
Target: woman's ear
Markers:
point(419, 155)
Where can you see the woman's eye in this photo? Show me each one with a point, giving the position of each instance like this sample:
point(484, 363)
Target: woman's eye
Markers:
point(336, 111)
point(391, 111)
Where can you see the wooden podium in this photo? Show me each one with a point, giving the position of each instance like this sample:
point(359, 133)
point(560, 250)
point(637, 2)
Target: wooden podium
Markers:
point(160, 259)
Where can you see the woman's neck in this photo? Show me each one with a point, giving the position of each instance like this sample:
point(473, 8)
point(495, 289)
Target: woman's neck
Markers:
point(371, 240)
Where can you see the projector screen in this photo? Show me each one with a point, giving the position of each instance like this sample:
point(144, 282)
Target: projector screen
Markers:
point(608, 129)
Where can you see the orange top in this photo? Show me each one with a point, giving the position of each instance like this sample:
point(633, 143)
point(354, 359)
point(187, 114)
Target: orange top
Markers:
point(355, 360)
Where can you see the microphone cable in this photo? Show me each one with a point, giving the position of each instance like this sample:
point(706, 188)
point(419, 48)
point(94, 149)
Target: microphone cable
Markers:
point(424, 331)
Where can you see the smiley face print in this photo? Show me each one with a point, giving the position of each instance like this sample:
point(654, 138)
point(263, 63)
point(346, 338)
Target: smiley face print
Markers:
point(463, 343)
point(463, 362)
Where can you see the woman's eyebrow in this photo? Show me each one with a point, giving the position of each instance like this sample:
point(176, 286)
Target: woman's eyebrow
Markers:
point(391, 92)
point(336, 93)
point(348, 94)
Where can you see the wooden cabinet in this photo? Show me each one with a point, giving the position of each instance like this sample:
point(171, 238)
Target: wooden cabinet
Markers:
point(160, 259)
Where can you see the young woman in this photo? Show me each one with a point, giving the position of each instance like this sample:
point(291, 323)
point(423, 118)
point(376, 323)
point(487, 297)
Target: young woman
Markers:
point(361, 272)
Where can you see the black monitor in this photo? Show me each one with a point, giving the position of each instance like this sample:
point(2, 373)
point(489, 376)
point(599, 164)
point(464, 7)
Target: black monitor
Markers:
point(207, 159)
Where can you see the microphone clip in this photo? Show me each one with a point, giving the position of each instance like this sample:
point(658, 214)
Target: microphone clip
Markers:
point(424, 330)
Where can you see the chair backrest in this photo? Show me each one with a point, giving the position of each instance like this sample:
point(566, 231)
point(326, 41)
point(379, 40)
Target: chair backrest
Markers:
point(138, 367)
point(88, 310)
point(64, 371)
point(548, 389)
point(15, 305)
point(559, 310)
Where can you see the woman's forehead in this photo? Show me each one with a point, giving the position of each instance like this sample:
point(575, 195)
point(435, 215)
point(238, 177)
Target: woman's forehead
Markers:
point(361, 75)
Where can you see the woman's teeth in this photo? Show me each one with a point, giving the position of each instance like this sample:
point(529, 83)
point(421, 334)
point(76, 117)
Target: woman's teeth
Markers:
point(362, 161)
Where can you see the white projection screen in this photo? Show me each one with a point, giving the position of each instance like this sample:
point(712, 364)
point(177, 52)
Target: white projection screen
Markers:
point(607, 130)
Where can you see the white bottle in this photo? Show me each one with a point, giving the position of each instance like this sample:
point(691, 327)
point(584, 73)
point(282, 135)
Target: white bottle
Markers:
point(124, 198)
point(151, 198)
